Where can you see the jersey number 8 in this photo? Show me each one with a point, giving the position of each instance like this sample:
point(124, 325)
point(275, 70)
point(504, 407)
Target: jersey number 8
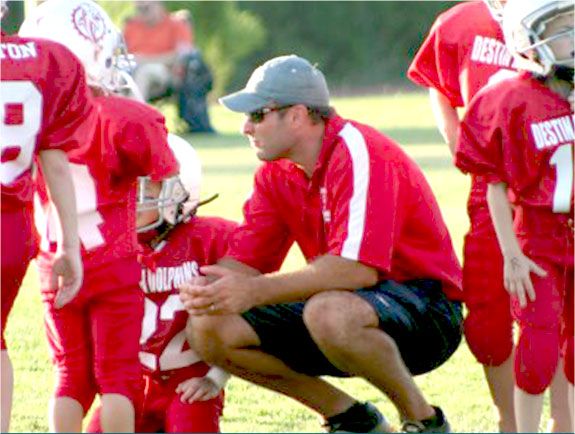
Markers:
point(20, 105)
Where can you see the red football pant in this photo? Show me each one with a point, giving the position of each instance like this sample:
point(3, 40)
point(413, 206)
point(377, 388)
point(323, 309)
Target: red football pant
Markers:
point(546, 328)
point(488, 325)
point(19, 247)
point(164, 412)
point(94, 340)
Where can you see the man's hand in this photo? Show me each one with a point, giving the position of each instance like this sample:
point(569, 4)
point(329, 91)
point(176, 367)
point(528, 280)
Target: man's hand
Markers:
point(229, 293)
point(516, 271)
point(67, 276)
point(197, 389)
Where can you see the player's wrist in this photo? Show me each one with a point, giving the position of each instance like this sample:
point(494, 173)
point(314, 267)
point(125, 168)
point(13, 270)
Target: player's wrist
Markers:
point(218, 376)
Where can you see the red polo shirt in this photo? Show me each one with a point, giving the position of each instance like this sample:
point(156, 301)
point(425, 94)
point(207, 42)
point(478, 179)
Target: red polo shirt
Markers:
point(366, 201)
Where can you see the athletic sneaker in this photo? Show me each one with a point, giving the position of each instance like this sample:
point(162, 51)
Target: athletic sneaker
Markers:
point(437, 423)
point(360, 417)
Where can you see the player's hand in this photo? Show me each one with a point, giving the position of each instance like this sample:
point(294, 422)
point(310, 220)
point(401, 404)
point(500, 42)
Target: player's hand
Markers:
point(198, 389)
point(67, 276)
point(517, 277)
point(228, 293)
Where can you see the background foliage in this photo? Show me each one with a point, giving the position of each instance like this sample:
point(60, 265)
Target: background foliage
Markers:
point(358, 44)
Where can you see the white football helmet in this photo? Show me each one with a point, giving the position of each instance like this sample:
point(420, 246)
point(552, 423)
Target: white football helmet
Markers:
point(84, 28)
point(496, 9)
point(524, 22)
point(180, 194)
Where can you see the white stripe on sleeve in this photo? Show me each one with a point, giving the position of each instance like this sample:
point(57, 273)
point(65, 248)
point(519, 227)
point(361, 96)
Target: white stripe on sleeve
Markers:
point(357, 148)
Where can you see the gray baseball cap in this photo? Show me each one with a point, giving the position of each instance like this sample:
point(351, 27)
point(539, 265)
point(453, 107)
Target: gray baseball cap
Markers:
point(282, 80)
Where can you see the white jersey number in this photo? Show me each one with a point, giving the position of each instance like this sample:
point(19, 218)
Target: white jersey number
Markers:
point(562, 159)
point(24, 100)
point(173, 356)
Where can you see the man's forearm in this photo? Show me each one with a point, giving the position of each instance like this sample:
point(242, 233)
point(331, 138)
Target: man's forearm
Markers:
point(237, 266)
point(326, 273)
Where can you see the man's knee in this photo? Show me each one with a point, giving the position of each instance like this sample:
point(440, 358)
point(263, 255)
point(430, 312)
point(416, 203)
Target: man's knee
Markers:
point(335, 317)
point(205, 337)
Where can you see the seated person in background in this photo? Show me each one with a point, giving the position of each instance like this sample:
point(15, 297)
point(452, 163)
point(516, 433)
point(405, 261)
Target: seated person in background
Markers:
point(158, 41)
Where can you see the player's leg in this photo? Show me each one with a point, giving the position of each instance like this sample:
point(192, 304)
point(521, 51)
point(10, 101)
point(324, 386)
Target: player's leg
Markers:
point(17, 239)
point(560, 413)
point(199, 416)
point(386, 334)
point(68, 334)
point(270, 346)
point(568, 350)
point(65, 414)
point(500, 382)
point(7, 390)
point(116, 320)
point(537, 352)
point(488, 325)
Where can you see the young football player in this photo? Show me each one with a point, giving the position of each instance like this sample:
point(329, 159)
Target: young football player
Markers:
point(518, 135)
point(95, 339)
point(464, 51)
point(182, 393)
point(43, 120)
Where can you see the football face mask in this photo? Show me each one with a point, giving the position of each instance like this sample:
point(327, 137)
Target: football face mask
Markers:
point(539, 33)
point(177, 198)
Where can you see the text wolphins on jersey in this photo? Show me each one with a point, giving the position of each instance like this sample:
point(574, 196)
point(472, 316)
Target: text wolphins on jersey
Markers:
point(166, 279)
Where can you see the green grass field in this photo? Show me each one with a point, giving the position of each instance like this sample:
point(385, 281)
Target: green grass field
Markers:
point(228, 162)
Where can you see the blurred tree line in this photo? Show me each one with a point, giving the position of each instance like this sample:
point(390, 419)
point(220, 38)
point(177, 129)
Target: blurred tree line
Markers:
point(358, 44)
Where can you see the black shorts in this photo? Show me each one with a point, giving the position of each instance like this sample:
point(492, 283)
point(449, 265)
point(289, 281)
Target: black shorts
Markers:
point(424, 324)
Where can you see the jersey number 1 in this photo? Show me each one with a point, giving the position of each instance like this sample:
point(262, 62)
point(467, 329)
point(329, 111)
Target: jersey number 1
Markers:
point(562, 159)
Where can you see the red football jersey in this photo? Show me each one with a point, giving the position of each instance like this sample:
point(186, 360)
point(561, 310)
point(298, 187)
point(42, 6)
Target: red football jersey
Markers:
point(188, 247)
point(464, 51)
point(130, 140)
point(366, 201)
point(521, 133)
point(464, 48)
point(45, 104)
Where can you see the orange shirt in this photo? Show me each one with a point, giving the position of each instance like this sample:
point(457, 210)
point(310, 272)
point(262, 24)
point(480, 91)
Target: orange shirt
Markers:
point(164, 37)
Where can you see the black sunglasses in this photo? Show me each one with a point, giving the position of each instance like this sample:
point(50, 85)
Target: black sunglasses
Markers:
point(259, 115)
